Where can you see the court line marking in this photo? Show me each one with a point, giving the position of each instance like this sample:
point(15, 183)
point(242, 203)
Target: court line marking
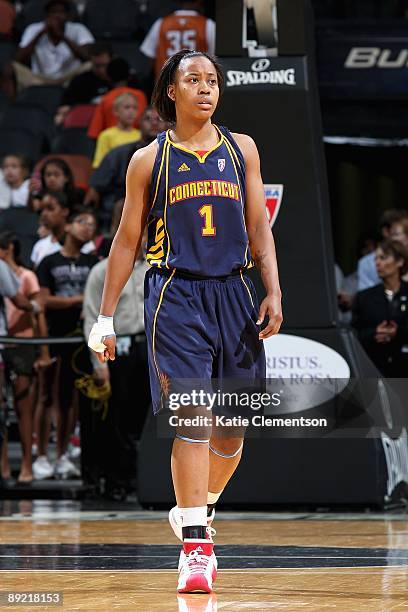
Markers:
point(94, 515)
point(279, 570)
point(219, 557)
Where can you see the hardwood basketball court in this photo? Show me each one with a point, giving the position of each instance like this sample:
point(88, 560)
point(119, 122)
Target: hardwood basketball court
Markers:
point(115, 559)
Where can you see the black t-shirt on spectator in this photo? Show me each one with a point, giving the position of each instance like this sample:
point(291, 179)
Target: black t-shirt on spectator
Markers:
point(109, 178)
point(64, 276)
point(85, 88)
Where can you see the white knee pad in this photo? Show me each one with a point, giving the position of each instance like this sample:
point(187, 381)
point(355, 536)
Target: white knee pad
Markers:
point(225, 456)
point(191, 440)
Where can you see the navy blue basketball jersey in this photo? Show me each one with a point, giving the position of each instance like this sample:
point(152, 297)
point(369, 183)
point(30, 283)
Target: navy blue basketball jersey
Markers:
point(196, 221)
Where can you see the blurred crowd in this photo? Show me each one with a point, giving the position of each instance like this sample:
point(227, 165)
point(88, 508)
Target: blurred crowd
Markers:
point(374, 298)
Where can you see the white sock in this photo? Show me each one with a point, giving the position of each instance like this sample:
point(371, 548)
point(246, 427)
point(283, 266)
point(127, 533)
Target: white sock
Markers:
point(194, 516)
point(212, 498)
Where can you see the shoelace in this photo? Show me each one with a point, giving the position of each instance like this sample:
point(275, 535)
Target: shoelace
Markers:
point(211, 532)
point(197, 563)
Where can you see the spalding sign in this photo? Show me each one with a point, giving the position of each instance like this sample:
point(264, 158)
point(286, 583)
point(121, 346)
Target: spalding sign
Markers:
point(306, 373)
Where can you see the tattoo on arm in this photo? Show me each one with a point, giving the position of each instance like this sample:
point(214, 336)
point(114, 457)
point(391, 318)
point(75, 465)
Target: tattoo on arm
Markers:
point(260, 260)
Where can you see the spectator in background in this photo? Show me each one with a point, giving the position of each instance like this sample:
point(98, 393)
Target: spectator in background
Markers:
point(125, 418)
point(20, 360)
point(62, 278)
point(399, 232)
point(186, 28)
point(56, 50)
point(88, 87)
point(14, 183)
point(54, 213)
point(104, 116)
point(9, 288)
point(347, 285)
point(56, 175)
point(380, 313)
point(367, 275)
point(125, 110)
point(107, 184)
point(55, 210)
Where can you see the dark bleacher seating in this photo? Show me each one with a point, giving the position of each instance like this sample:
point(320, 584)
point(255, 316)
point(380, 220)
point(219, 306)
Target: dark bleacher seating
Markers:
point(79, 116)
point(74, 141)
point(32, 117)
point(24, 223)
point(7, 17)
point(129, 50)
point(160, 8)
point(111, 18)
point(46, 96)
point(7, 52)
point(4, 104)
point(20, 140)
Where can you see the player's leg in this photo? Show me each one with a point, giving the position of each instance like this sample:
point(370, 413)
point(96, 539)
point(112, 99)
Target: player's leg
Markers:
point(224, 457)
point(190, 463)
point(241, 364)
point(179, 349)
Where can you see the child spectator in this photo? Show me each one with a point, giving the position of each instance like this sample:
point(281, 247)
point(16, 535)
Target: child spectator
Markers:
point(54, 213)
point(20, 360)
point(118, 73)
point(56, 175)
point(125, 109)
point(14, 182)
point(62, 278)
point(107, 184)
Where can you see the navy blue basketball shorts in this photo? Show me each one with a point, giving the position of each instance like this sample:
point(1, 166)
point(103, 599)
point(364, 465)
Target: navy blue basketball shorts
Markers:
point(201, 333)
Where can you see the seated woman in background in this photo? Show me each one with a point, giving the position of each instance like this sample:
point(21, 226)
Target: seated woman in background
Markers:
point(14, 183)
point(380, 313)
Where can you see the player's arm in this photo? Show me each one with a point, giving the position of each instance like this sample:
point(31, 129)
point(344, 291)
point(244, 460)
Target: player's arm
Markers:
point(126, 243)
point(261, 241)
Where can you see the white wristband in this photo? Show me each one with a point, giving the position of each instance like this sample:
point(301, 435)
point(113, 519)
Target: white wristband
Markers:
point(105, 326)
point(99, 331)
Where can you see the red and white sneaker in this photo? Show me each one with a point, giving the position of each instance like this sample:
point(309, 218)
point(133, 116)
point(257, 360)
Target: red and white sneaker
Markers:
point(196, 567)
point(176, 523)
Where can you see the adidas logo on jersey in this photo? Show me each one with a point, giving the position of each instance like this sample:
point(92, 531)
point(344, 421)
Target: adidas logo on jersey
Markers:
point(183, 168)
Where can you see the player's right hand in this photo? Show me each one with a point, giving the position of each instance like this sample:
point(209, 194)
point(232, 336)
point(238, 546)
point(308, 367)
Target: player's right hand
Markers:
point(103, 346)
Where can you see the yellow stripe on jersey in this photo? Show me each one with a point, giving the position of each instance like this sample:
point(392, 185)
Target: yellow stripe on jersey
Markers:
point(165, 205)
point(232, 153)
point(158, 178)
point(155, 322)
point(156, 252)
point(247, 288)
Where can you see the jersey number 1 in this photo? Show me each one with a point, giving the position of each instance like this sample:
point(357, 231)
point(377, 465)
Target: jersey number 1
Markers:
point(206, 211)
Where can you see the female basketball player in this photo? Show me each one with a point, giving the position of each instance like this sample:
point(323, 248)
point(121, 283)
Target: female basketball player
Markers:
point(199, 190)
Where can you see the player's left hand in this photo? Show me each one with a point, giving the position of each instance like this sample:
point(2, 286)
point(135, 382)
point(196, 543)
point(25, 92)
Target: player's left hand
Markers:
point(271, 307)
